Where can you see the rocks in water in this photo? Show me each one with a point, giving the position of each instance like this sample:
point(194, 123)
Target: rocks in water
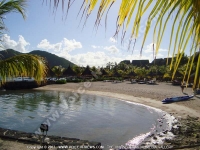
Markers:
point(52, 140)
point(155, 138)
point(165, 132)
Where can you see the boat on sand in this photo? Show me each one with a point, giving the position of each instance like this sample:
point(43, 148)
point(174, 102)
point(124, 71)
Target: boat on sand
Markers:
point(177, 99)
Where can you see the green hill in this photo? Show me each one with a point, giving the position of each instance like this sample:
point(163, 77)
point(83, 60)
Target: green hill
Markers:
point(8, 53)
point(53, 60)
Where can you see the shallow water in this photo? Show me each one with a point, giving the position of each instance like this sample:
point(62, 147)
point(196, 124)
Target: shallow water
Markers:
point(95, 118)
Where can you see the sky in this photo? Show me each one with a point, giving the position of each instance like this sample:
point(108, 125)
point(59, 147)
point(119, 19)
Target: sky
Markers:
point(51, 31)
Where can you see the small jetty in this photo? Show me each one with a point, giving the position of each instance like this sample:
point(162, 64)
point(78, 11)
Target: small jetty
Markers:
point(17, 85)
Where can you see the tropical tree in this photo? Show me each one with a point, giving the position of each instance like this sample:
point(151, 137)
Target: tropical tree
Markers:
point(122, 66)
point(94, 69)
point(185, 23)
point(141, 72)
point(26, 65)
point(58, 70)
point(77, 69)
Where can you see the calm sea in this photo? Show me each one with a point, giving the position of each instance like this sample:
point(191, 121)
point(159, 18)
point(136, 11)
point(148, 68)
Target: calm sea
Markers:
point(110, 121)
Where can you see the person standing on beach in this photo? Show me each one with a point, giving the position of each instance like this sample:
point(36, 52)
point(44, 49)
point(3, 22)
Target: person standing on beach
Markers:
point(182, 87)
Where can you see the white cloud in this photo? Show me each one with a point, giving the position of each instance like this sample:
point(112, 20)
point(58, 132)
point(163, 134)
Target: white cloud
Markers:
point(149, 49)
point(64, 46)
point(112, 49)
point(95, 47)
point(70, 45)
point(113, 40)
point(20, 45)
point(98, 58)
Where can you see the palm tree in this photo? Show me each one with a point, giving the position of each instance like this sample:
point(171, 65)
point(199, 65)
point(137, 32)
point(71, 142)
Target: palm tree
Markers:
point(26, 65)
point(141, 72)
point(58, 70)
point(185, 26)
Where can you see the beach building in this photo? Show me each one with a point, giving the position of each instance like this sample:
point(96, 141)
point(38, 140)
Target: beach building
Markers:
point(140, 63)
point(69, 72)
point(87, 73)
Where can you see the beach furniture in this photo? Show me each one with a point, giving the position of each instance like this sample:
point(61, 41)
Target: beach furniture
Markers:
point(133, 81)
point(141, 82)
point(177, 99)
point(151, 82)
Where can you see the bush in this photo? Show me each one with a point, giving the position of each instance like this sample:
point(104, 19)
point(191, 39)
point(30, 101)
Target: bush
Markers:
point(61, 81)
point(74, 81)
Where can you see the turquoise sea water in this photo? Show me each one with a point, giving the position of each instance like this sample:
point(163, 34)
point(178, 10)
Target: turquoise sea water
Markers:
point(87, 117)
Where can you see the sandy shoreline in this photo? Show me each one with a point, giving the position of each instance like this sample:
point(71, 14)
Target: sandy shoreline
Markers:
point(150, 95)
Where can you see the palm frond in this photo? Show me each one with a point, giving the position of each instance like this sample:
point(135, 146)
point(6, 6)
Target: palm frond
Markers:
point(161, 10)
point(23, 65)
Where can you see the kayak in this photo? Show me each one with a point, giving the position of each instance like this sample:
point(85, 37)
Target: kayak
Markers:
point(177, 99)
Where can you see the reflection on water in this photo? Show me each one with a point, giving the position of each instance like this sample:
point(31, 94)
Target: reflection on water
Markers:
point(94, 118)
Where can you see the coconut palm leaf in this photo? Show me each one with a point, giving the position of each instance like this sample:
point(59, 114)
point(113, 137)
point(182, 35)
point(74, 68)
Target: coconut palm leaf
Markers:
point(58, 70)
point(186, 22)
point(20, 65)
point(11, 6)
point(23, 65)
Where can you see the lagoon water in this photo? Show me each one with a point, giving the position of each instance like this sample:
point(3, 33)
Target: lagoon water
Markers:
point(95, 118)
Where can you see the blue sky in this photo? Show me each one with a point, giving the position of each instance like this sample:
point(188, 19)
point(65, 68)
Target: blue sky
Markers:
point(48, 31)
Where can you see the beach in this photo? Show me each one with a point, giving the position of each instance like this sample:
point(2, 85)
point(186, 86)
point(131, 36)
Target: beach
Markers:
point(150, 95)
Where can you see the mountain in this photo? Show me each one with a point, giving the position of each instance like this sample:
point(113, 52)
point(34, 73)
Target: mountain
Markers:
point(4, 54)
point(53, 60)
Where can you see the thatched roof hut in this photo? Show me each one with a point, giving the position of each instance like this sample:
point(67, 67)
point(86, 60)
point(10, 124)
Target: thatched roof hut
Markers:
point(87, 72)
point(69, 72)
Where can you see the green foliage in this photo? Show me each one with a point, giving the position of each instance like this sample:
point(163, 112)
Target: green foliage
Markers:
point(8, 6)
point(74, 81)
point(23, 65)
point(61, 81)
point(58, 70)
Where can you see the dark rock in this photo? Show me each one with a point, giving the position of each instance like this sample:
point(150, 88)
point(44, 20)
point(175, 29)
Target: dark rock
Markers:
point(165, 132)
point(155, 138)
